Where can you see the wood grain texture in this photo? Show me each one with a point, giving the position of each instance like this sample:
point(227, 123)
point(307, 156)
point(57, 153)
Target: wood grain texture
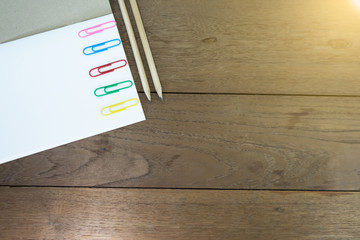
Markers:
point(213, 141)
point(305, 47)
point(55, 213)
point(297, 47)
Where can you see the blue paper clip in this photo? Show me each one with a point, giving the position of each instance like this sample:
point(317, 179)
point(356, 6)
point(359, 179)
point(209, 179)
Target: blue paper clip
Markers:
point(105, 46)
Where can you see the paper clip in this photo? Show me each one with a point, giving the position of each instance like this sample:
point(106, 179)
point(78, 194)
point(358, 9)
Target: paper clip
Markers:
point(106, 111)
point(96, 29)
point(100, 70)
point(113, 88)
point(105, 46)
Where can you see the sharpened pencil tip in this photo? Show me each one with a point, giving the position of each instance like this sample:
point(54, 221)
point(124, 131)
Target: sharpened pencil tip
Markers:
point(159, 93)
point(148, 96)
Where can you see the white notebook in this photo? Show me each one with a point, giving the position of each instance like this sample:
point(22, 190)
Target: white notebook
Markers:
point(64, 85)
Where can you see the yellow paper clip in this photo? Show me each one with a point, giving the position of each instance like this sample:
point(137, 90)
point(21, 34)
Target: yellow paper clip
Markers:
point(106, 111)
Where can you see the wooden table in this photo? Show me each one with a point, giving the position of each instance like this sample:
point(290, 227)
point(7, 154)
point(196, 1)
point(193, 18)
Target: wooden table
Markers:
point(258, 136)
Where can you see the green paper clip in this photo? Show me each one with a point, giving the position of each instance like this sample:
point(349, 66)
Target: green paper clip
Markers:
point(102, 91)
point(106, 111)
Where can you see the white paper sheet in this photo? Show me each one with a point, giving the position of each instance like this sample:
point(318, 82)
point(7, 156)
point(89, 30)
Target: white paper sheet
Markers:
point(47, 94)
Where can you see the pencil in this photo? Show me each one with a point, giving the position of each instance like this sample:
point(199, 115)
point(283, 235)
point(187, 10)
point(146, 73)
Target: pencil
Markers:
point(135, 49)
point(147, 49)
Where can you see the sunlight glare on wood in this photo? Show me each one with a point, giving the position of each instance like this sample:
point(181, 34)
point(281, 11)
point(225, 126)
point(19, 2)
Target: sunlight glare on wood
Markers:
point(357, 2)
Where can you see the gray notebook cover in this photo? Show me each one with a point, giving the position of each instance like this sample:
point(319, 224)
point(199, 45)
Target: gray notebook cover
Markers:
point(22, 18)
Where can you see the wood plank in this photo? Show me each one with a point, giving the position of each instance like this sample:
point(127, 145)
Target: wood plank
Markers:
point(305, 47)
point(213, 141)
point(57, 213)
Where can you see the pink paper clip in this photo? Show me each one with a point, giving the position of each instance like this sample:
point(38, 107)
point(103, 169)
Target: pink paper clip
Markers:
point(98, 71)
point(96, 29)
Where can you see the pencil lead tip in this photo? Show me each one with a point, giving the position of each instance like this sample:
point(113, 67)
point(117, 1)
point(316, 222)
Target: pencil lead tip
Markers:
point(161, 99)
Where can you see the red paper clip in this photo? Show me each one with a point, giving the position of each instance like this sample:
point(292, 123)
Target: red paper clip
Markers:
point(96, 29)
point(100, 70)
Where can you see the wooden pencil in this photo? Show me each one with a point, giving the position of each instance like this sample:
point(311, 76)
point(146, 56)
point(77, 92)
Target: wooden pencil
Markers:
point(135, 49)
point(147, 49)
